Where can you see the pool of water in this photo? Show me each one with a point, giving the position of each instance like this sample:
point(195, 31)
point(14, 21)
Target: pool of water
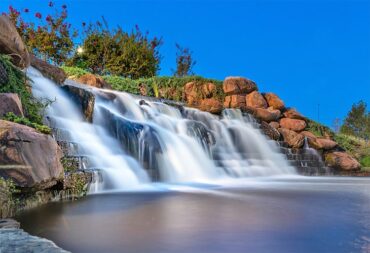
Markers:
point(266, 215)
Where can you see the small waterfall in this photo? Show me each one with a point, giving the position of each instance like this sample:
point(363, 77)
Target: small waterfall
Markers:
point(133, 141)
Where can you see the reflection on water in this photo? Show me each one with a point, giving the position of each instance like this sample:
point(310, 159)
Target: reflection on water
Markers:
point(285, 215)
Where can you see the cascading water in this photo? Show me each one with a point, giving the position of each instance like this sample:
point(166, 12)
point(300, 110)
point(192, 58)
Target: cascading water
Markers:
point(132, 139)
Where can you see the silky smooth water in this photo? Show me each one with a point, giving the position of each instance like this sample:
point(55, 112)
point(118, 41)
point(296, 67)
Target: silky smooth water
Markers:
point(287, 215)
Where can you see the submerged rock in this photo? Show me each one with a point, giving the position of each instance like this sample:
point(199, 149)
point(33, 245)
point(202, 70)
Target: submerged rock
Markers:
point(29, 158)
point(10, 102)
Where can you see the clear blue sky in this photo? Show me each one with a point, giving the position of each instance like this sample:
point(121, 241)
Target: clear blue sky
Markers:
point(308, 52)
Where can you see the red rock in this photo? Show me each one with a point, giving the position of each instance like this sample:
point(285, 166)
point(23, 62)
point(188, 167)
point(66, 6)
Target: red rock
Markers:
point(274, 101)
point(94, 81)
point(238, 85)
point(256, 100)
point(270, 131)
point(191, 95)
point(293, 114)
point(274, 124)
point(234, 101)
point(208, 89)
point(267, 115)
point(341, 161)
point(10, 102)
point(293, 139)
point(308, 134)
point(211, 105)
point(293, 124)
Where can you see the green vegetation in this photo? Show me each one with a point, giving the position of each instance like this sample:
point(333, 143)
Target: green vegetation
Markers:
point(24, 121)
point(365, 161)
point(184, 61)
point(357, 122)
point(74, 71)
point(18, 84)
point(318, 129)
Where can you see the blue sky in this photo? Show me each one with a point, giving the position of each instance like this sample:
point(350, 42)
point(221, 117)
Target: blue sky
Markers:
point(308, 52)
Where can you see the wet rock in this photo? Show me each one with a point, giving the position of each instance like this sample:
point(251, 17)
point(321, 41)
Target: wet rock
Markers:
point(267, 115)
point(211, 105)
point(274, 101)
point(94, 81)
point(256, 100)
point(270, 131)
point(238, 85)
point(293, 139)
point(9, 223)
point(293, 114)
point(84, 98)
point(11, 43)
point(54, 73)
point(341, 161)
point(29, 158)
point(10, 102)
point(235, 101)
point(296, 125)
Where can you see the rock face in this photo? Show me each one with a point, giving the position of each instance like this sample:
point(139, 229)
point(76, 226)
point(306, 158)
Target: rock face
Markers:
point(31, 159)
point(191, 93)
point(234, 101)
point(293, 124)
point(84, 98)
point(341, 161)
point(293, 114)
point(56, 74)
point(10, 102)
point(274, 101)
point(208, 89)
point(293, 139)
point(94, 81)
point(211, 105)
point(256, 100)
point(11, 43)
point(238, 85)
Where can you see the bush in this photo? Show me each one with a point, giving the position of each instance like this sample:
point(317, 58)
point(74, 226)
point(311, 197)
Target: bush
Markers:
point(24, 121)
point(365, 161)
point(17, 83)
point(74, 71)
point(184, 61)
point(318, 129)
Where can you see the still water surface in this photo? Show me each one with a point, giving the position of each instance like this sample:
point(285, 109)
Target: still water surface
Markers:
point(267, 215)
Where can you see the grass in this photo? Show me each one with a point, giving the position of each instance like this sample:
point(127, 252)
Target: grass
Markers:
point(318, 129)
point(24, 121)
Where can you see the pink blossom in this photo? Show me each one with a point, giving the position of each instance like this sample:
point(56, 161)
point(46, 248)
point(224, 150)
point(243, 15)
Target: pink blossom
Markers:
point(38, 15)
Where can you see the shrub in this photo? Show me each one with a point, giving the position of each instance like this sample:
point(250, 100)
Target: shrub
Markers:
point(365, 161)
point(24, 121)
point(184, 61)
point(357, 122)
point(74, 71)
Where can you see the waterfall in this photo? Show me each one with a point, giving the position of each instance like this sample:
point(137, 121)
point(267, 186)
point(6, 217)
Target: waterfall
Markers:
point(133, 140)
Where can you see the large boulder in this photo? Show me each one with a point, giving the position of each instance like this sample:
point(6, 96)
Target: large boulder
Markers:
point(293, 114)
point(319, 143)
point(29, 158)
point(256, 100)
point(53, 72)
point(194, 92)
point(270, 131)
point(274, 124)
point(11, 43)
point(94, 81)
point(84, 98)
point(10, 102)
point(238, 85)
point(267, 115)
point(341, 161)
point(274, 101)
point(293, 124)
point(293, 139)
point(211, 105)
point(234, 101)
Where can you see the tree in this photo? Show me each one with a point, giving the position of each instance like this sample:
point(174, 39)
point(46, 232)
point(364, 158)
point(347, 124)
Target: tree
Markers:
point(357, 122)
point(184, 61)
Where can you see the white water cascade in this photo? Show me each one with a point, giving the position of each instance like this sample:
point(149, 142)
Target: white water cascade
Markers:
point(133, 140)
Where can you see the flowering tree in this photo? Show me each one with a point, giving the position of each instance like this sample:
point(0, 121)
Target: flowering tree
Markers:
point(50, 37)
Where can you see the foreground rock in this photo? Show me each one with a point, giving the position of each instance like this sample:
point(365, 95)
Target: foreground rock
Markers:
point(341, 161)
point(16, 240)
point(10, 102)
point(56, 74)
point(94, 81)
point(293, 139)
point(238, 85)
point(270, 131)
point(11, 43)
point(29, 158)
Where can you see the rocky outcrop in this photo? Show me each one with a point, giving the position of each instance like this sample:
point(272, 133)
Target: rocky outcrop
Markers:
point(94, 81)
point(293, 139)
point(293, 114)
point(11, 43)
point(255, 100)
point(56, 74)
point(274, 101)
point(211, 105)
point(235, 101)
point(238, 85)
point(84, 98)
point(341, 161)
point(267, 115)
point(29, 158)
point(296, 125)
point(10, 102)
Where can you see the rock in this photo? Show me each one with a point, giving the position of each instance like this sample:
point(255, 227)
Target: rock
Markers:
point(308, 134)
point(293, 139)
point(270, 131)
point(10, 102)
point(208, 89)
point(94, 81)
point(211, 105)
point(256, 100)
point(238, 85)
point(9, 223)
point(341, 161)
point(53, 72)
point(274, 124)
point(29, 158)
point(11, 43)
point(293, 124)
point(326, 144)
point(191, 93)
point(293, 114)
point(84, 98)
point(274, 101)
point(234, 101)
point(194, 92)
point(267, 115)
